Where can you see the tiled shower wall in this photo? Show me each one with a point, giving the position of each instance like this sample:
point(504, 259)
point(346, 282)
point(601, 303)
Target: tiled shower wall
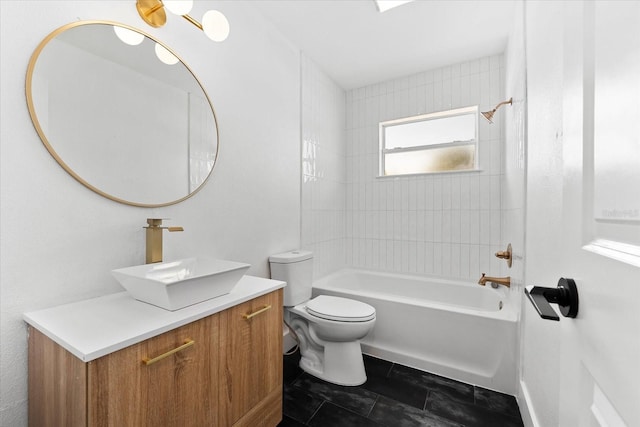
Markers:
point(447, 224)
point(514, 189)
point(323, 168)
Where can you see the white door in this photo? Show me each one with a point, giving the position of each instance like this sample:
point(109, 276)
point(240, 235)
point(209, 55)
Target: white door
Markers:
point(599, 366)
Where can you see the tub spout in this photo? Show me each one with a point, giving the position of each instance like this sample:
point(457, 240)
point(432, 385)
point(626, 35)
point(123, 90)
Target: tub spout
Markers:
point(504, 281)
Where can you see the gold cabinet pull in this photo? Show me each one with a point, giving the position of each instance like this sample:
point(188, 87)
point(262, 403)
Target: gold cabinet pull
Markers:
point(147, 361)
point(255, 313)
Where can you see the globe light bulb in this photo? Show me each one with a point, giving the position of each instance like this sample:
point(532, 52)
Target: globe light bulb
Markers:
point(179, 7)
point(215, 25)
point(165, 56)
point(128, 36)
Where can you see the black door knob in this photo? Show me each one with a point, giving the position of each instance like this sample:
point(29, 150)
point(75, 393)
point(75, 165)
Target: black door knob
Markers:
point(565, 295)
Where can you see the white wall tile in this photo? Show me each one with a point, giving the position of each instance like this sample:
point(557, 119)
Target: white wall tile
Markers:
point(446, 95)
point(437, 194)
point(454, 261)
point(420, 257)
point(464, 261)
point(455, 71)
point(485, 226)
point(397, 256)
point(428, 95)
point(432, 224)
point(446, 261)
point(456, 93)
point(326, 142)
point(464, 69)
point(474, 226)
point(474, 261)
point(446, 226)
point(412, 257)
point(413, 226)
point(456, 228)
point(484, 64)
point(412, 194)
point(437, 226)
point(465, 226)
point(446, 192)
point(420, 195)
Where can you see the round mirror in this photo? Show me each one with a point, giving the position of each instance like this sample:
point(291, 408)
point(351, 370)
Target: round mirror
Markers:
point(122, 113)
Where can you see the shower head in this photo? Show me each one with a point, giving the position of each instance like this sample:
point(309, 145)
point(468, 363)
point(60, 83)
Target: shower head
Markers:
point(489, 114)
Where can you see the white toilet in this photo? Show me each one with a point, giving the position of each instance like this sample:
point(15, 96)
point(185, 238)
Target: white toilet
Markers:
point(328, 328)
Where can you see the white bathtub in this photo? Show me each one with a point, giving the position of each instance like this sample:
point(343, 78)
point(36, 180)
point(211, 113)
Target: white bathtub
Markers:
point(455, 329)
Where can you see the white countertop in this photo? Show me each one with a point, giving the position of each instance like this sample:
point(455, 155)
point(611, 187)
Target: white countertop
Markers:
point(96, 327)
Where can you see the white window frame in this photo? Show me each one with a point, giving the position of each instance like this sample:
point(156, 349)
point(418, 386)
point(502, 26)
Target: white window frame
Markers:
point(425, 117)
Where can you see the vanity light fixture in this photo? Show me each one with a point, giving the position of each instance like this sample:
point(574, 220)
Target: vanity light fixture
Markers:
point(214, 24)
point(489, 114)
point(133, 38)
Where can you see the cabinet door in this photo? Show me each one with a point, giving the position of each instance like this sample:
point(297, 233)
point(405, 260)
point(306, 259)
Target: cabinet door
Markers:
point(136, 387)
point(251, 363)
point(57, 384)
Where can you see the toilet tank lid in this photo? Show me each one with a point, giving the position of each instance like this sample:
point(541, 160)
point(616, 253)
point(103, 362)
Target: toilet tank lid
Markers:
point(292, 256)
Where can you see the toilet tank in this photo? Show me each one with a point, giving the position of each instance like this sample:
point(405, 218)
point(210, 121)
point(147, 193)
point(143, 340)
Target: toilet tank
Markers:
point(295, 268)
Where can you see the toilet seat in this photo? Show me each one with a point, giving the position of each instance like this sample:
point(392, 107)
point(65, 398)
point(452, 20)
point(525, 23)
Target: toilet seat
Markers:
point(340, 309)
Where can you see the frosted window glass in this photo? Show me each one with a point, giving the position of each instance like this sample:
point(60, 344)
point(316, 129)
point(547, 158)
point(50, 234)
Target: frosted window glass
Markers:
point(442, 159)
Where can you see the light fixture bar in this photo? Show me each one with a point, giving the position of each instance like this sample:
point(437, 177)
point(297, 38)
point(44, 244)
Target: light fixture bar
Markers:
point(193, 21)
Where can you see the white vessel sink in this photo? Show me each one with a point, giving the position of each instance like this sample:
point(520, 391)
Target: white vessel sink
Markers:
point(178, 284)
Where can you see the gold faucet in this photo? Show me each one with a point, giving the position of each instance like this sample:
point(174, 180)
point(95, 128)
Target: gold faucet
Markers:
point(504, 281)
point(154, 239)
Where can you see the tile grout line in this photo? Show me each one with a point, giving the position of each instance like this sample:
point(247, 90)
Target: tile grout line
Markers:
point(372, 406)
point(426, 399)
point(315, 412)
point(390, 369)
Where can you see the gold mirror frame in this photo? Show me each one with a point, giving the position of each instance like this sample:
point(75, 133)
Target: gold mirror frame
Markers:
point(56, 156)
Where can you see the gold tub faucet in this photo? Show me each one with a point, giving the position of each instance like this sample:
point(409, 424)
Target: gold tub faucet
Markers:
point(154, 239)
point(504, 281)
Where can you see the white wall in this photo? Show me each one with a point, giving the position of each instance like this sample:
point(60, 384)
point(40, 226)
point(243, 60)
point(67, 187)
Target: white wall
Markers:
point(59, 240)
point(323, 168)
point(438, 224)
point(540, 345)
point(514, 184)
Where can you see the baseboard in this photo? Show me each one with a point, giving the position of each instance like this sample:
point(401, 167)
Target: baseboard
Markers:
point(526, 407)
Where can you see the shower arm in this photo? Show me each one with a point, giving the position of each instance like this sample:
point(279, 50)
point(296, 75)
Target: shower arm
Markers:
point(510, 101)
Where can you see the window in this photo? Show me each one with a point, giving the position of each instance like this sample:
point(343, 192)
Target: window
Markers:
point(439, 142)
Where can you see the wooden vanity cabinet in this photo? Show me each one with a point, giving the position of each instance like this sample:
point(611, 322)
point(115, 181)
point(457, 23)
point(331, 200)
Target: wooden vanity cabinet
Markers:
point(223, 370)
point(252, 362)
point(178, 390)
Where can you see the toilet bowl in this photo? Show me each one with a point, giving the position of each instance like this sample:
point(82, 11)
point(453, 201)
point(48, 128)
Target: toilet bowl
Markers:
point(328, 328)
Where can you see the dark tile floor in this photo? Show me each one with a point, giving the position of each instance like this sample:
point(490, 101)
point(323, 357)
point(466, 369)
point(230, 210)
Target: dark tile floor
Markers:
point(393, 396)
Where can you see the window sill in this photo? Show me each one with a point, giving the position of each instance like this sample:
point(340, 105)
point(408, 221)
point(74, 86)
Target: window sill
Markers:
point(413, 175)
